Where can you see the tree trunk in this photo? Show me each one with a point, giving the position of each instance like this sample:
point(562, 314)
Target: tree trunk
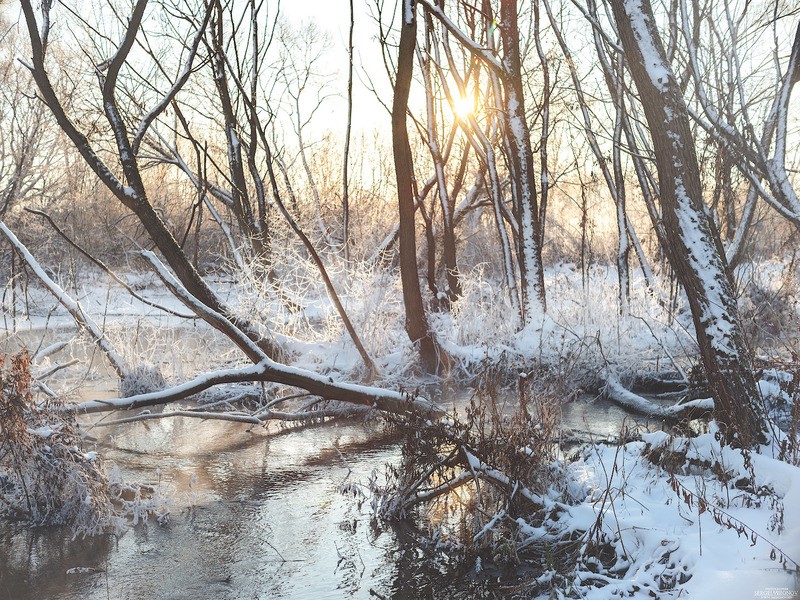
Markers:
point(416, 318)
point(346, 157)
point(523, 180)
point(695, 251)
point(453, 286)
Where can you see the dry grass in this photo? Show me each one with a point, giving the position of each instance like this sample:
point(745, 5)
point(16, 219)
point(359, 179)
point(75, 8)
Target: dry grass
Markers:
point(46, 478)
point(474, 477)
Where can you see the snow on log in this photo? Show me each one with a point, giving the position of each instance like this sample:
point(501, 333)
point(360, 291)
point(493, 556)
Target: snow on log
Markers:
point(617, 393)
point(267, 370)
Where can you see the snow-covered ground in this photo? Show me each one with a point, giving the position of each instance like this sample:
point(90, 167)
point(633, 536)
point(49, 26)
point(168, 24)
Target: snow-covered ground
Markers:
point(583, 327)
point(683, 532)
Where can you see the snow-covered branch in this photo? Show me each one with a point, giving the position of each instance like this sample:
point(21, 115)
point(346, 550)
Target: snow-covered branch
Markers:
point(83, 320)
point(480, 52)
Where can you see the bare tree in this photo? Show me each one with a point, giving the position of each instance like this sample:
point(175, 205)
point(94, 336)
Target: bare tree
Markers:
point(749, 131)
point(26, 145)
point(428, 55)
point(507, 82)
point(347, 134)
point(129, 187)
point(613, 174)
point(307, 93)
point(417, 325)
point(694, 248)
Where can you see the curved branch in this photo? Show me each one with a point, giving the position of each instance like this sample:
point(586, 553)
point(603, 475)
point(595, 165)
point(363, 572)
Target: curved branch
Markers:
point(151, 116)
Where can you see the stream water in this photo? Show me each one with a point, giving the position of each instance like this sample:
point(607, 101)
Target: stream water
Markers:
point(252, 514)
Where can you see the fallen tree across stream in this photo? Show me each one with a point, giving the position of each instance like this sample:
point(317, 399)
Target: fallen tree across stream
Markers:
point(619, 394)
point(263, 370)
point(269, 371)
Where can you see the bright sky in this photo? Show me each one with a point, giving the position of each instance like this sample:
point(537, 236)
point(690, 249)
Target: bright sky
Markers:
point(333, 16)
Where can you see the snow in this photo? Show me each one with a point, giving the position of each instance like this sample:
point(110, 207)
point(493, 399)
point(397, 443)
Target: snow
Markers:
point(81, 570)
point(482, 325)
point(529, 261)
point(408, 11)
point(44, 432)
point(657, 69)
point(641, 513)
point(665, 540)
point(706, 263)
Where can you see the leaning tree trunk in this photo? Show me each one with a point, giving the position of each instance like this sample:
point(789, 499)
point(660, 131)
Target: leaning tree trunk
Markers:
point(695, 251)
point(417, 325)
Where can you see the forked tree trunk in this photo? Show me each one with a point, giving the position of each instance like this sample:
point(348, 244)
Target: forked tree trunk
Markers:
point(695, 251)
point(516, 145)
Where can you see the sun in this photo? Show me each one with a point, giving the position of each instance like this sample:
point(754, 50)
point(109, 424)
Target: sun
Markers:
point(463, 107)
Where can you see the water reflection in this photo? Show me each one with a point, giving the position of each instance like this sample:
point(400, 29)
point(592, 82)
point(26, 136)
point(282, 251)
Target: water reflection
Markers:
point(254, 514)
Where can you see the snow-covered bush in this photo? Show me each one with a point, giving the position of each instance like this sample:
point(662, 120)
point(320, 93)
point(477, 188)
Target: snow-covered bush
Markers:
point(142, 379)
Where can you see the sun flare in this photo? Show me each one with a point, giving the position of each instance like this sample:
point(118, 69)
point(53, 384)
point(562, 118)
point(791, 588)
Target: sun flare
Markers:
point(463, 106)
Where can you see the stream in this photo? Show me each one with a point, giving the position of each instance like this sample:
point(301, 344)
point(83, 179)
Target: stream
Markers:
point(254, 514)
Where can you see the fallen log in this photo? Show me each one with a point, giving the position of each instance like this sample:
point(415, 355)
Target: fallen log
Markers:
point(257, 419)
point(614, 391)
point(270, 371)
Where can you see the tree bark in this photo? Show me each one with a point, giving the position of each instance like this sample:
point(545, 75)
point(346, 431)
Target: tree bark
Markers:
point(695, 251)
point(523, 179)
point(417, 325)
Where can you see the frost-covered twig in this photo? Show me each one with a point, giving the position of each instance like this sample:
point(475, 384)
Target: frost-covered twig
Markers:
point(55, 369)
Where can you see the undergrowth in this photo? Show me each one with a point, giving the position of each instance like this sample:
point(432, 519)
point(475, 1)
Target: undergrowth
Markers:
point(46, 479)
point(45, 476)
point(492, 487)
point(479, 478)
